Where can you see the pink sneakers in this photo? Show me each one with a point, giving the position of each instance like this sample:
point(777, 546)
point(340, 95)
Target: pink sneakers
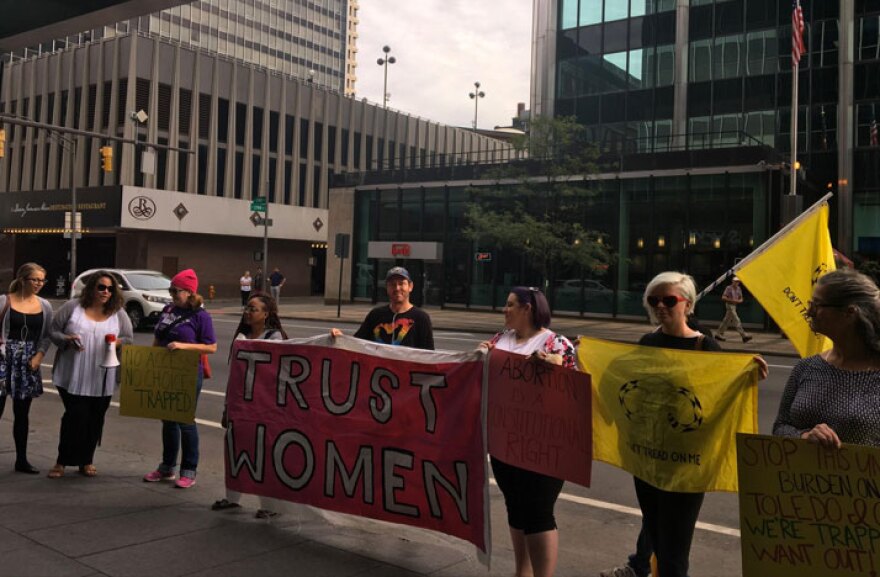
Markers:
point(185, 482)
point(157, 476)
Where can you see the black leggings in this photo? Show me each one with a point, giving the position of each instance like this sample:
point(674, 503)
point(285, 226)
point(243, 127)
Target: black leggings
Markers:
point(529, 497)
point(20, 411)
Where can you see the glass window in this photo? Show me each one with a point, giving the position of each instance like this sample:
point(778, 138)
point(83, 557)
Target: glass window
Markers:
point(637, 69)
point(868, 32)
point(665, 65)
point(615, 36)
point(569, 14)
point(727, 57)
point(824, 128)
point(728, 17)
point(698, 132)
point(615, 10)
point(615, 68)
point(701, 61)
point(638, 8)
point(761, 125)
point(760, 14)
point(591, 12)
point(824, 49)
point(866, 128)
point(661, 6)
point(762, 52)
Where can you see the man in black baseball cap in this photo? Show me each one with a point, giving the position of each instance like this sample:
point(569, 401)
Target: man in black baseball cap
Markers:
point(399, 322)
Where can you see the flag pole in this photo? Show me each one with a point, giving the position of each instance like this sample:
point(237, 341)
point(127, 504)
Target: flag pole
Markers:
point(797, 50)
point(765, 245)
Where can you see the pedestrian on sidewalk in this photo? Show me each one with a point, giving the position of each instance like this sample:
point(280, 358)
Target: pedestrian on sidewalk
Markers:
point(258, 281)
point(259, 321)
point(276, 281)
point(732, 297)
point(530, 497)
point(25, 319)
point(244, 284)
point(184, 325)
point(83, 329)
point(399, 322)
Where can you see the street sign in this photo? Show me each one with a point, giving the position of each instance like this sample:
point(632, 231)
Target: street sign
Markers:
point(483, 256)
point(257, 220)
point(259, 204)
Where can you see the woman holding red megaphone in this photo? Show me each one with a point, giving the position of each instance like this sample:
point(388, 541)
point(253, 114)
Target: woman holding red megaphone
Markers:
point(83, 329)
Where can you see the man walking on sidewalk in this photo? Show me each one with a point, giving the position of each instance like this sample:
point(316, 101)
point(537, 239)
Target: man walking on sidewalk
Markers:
point(732, 296)
point(276, 281)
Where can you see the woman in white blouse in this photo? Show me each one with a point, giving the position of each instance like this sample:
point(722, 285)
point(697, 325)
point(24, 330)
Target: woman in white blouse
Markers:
point(83, 329)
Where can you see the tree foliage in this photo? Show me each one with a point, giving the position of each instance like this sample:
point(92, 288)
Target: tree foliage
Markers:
point(536, 206)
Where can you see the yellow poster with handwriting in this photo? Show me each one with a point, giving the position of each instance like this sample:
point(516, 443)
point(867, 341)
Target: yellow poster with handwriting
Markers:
point(808, 511)
point(158, 384)
point(668, 416)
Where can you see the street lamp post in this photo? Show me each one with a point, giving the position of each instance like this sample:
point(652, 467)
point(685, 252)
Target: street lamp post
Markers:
point(385, 62)
point(475, 96)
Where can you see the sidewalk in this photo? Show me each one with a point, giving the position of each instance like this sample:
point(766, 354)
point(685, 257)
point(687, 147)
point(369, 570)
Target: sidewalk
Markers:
point(117, 525)
point(488, 322)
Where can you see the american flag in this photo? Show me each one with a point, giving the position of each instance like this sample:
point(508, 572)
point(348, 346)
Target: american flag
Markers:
point(875, 137)
point(797, 32)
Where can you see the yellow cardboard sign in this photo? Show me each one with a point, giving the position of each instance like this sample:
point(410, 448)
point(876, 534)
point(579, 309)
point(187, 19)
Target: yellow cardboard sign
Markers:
point(808, 511)
point(158, 383)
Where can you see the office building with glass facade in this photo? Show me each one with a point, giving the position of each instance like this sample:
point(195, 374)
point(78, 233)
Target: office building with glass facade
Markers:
point(689, 102)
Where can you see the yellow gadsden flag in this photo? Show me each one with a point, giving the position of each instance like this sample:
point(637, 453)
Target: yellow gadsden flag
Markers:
point(670, 417)
point(781, 277)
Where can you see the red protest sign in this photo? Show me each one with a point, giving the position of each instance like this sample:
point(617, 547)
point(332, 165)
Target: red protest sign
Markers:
point(398, 439)
point(539, 417)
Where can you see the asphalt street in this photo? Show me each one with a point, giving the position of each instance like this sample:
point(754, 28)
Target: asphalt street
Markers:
point(598, 525)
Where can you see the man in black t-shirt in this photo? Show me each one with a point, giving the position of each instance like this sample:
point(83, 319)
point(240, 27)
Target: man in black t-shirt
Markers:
point(399, 322)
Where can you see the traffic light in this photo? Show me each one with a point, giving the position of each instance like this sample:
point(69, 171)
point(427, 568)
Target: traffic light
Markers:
point(2, 142)
point(107, 158)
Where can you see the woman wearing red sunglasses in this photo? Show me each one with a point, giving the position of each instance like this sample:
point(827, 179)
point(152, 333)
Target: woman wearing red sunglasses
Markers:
point(83, 329)
point(669, 517)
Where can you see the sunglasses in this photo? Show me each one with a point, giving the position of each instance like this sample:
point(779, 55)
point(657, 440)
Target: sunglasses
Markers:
point(668, 301)
point(104, 288)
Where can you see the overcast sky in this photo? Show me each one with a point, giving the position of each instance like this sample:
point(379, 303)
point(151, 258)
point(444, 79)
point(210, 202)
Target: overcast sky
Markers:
point(442, 47)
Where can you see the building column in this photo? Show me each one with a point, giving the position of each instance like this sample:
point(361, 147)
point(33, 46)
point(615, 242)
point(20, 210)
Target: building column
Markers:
point(845, 128)
point(680, 87)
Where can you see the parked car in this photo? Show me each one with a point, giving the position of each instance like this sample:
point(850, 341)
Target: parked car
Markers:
point(568, 294)
point(145, 293)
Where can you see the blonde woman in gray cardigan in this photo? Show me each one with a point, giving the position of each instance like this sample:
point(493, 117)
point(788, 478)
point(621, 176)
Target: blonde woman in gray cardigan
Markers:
point(25, 339)
point(82, 330)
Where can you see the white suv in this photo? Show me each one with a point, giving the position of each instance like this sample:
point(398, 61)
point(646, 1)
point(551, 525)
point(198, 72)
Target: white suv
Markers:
point(145, 292)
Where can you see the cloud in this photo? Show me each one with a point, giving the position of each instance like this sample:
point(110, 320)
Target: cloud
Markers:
point(442, 48)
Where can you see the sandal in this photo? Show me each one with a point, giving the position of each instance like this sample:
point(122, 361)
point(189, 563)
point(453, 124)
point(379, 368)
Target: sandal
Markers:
point(266, 514)
point(88, 470)
point(222, 504)
point(56, 472)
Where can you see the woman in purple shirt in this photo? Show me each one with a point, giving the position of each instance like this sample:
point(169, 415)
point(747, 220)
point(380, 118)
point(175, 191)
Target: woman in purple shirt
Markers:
point(184, 325)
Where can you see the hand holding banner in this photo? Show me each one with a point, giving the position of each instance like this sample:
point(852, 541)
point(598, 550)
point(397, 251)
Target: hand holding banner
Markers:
point(539, 417)
point(385, 432)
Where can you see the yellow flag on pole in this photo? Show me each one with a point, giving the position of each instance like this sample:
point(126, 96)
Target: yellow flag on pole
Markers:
point(670, 417)
point(782, 276)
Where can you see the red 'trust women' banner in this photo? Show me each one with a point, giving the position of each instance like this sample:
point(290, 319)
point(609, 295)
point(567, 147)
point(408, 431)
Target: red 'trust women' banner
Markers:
point(539, 417)
point(390, 433)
